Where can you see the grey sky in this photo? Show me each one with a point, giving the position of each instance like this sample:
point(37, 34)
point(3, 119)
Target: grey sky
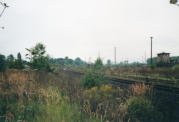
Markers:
point(85, 28)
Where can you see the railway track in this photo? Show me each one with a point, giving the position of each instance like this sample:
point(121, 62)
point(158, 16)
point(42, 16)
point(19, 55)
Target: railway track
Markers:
point(155, 80)
point(118, 81)
point(165, 88)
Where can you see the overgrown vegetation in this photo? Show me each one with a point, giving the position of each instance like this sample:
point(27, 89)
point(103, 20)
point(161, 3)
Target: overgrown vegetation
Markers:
point(38, 59)
point(93, 79)
point(142, 110)
point(41, 94)
point(67, 62)
point(35, 98)
point(15, 63)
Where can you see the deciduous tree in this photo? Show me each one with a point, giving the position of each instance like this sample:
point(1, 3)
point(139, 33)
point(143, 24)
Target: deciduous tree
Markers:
point(38, 59)
point(2, 63)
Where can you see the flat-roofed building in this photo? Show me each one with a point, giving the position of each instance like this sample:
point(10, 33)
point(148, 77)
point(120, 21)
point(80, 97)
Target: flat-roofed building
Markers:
point(163, 57)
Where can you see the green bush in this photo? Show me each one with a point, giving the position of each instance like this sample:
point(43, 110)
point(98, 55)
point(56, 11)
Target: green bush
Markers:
point(98, 64)
point(175, 68)
point(40, 63)
point(92, 79)
point(141, 109)
point(153, 66)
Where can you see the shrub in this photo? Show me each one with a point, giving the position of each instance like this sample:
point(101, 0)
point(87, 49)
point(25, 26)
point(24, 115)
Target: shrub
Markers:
point(105, 92)
point(153, 66)
point(142, 110)
point(98, 64)
point(103, 102)
point(92, 79)
point(175, 68)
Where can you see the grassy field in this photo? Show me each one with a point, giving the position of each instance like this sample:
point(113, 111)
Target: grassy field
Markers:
point(60, 97)
point(36, 97)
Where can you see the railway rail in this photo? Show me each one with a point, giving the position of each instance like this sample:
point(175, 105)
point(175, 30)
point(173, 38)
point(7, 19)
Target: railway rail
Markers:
point(118, 81)
point(165, 88)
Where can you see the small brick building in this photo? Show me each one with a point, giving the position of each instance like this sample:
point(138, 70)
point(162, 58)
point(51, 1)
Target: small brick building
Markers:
point(163, 57)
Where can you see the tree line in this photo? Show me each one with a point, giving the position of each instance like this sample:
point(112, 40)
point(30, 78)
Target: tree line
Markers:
point(11, 62)
point(38, 59)
point(67, 61)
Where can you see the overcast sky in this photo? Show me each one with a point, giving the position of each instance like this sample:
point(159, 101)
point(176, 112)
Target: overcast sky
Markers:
point(88, 28)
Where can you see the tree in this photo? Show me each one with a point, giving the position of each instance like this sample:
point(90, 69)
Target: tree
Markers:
point(109, 62)
point(61, 61)
point(68, 61)
point(36, 52)
point(19, 64)
point(37, 57)
point(98, 64)
point(15, 63)
point(78, 61)
point(19, 56)
point(2, 63)
point(10, 61)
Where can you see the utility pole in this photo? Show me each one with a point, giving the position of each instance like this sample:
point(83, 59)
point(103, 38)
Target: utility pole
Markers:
point(145, 57)
point(151, 49)
point(115, 55)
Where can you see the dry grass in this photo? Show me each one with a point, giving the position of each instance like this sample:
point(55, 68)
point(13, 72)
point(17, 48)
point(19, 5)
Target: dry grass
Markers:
point(146, 71)
point(39, 96)
point(110, 104)
point(140, 90)
point(105, 103)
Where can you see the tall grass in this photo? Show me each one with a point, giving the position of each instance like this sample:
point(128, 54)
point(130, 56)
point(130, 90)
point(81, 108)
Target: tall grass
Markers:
point(36, 97)
point(47, 97)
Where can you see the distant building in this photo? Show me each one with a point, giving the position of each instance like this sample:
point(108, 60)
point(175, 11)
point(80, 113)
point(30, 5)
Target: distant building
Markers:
point(163, 58)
